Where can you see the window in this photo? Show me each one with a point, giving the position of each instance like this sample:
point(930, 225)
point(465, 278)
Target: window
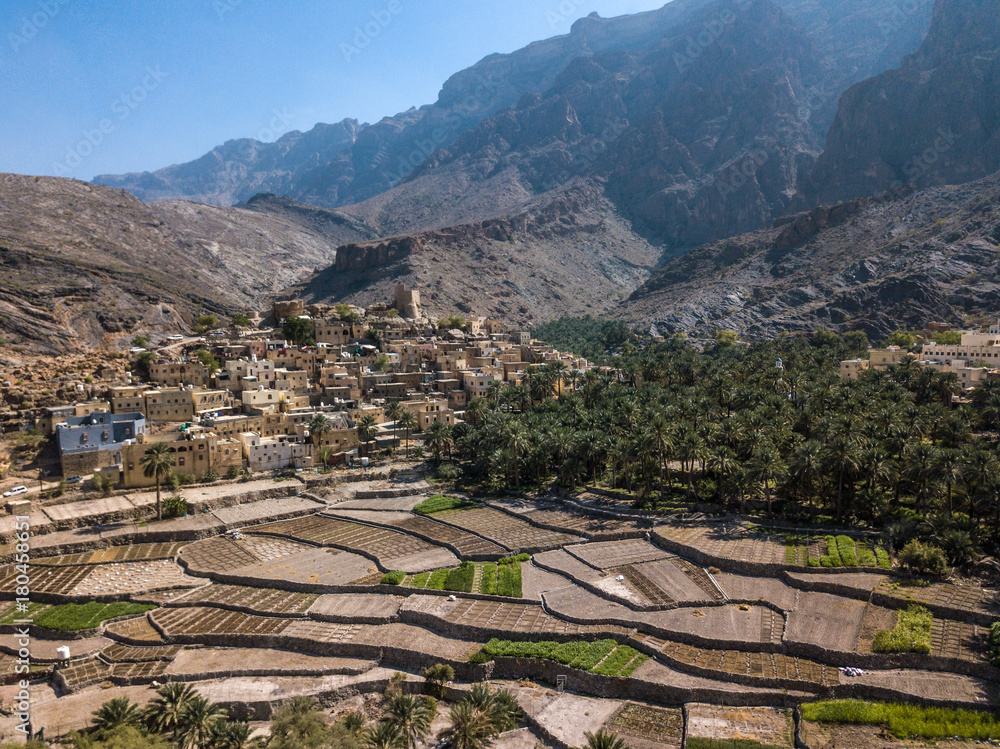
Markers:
point(180, 461)
point(105, 434)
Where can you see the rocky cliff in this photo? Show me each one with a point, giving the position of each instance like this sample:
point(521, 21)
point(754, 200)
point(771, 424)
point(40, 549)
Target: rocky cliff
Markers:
point(934, 120)
point(870, 264)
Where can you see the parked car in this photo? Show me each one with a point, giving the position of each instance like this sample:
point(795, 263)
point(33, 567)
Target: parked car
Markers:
point(175, 337)
point(16, 490)
point(136, 350)
point(74, 479)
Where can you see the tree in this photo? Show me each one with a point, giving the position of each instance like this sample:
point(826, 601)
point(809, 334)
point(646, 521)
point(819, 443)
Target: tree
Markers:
point(297, 724)
point(383, 363)
point(367, 430)
point(411, 717)
point(439, 438)
point(208, 360)
point(115, 714)
point(325, 455)
point(452, 322)
point(199, 719)
point(436, 677)
point(157, 463)
point(165, 712)
point(345, 313)
point(319, 426)
point(470, 728)
point(902, 339)
point(299, 330)
point(241, 320)
point(604, 740)
point(392, 412)
point(725, 338)
point(383, 735)
point(408, 422)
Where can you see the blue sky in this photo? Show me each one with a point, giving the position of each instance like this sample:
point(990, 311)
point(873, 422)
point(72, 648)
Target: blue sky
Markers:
point(107, 86)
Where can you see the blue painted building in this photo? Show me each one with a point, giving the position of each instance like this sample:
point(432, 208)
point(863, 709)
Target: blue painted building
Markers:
point(90, 443)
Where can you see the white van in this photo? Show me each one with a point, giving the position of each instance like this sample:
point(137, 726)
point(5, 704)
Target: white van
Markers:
point(16, 490)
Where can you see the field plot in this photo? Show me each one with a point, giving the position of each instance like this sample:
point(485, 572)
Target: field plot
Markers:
point(394, 550)
point(264, 600)
point(207, 663)
point(765, 665)
point(606, 555)
point(770, 727)
point(371, 608)
point(647, 727)
point(488, 578)
point(315, 566)
point(495, 615)
point(954, 639)
point(133, 577)
point(570, 520)
point(134, 553)
point(467, 543)
point(962, 596)
point(605, 657)
point(670, 580)
point(118, 653)
point(56, 580)
point(137, 630)
point(504, 529)
point(217, 555)
point(198, 620)
point(738, 542)
point(832, 622)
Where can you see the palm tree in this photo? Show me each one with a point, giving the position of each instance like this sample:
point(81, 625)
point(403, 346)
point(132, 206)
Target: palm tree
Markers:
point(392, 412)
point(319, 425)
point(437, 676)
point(165, 712)
point(470, 728)
point(367, 429)
point(408, 422)
point(604, 740)
point(766, 467)
point(384, 735)
point(474, 410)
point(410, 717)
point(115, 714)
point(439, 438)
point(325, 454)
point(226, 735)
point(157, 463)
point(199, 719)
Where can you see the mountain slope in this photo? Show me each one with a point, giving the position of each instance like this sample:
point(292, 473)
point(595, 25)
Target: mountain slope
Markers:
point(84, 266)
point(934, 120)
point(870, 264)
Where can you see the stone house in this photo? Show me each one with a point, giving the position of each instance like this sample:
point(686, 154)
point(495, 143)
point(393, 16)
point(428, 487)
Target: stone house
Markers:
point(89, 443)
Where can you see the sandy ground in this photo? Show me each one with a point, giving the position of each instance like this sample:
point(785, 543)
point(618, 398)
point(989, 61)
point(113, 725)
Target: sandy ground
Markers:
point(762, 724)
point(374, 607)
point(318, 566)
point(830, 621)
point(819, 736)
point(219, 660)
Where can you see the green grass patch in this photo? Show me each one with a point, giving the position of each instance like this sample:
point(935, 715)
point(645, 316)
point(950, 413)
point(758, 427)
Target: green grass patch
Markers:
point(514, 559)
point(605, 657)
point(440, 503)
point(460, 580)
point(846, 550)
point(419, 581)
point(883, 558)
point(866, 557)
point(34, 609)
point(912, 633)
point(797, 550)
point(437, 579)
point(488, 584)
point(700, 743)
point(906, 721)
point(393, 578)
point(73, 616)
point(509, 580)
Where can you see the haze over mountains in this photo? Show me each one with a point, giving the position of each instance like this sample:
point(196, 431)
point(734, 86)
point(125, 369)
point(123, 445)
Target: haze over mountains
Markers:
point(560, 178)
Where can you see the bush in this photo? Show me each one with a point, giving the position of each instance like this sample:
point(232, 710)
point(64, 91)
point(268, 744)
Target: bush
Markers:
point(907, 721)
point(393, 578)
point(449, 471)
point(912, 633)
point(174, 507)
point(513, 559)
point(883, 558)
point(440, 503)
point(866, 557)
point(233, 472)
point(922, 557)
point(210, 477)
point(994, 644)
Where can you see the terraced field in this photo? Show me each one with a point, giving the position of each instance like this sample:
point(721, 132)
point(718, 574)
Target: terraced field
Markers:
point(133, 553)
point(573, 521)
point(506, 530)
point(392, 549)
point(263, 600)
point(736, 542)
point(468, 544)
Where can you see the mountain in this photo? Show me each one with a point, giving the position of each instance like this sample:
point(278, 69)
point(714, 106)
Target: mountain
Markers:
point(241, 168)
point(934, 120)
point(84, 266)
point(340, 165)
point(568, 254)
point(873, 264)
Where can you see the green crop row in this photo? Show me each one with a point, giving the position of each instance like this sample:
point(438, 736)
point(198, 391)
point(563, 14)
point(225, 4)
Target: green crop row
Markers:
point(509, 580)
point(912, 633)
point(907, 721)
point(694, 742)
point(440, 503)
point(393, 578)
point(74, 616)
point(601, 657)
point(461, 579)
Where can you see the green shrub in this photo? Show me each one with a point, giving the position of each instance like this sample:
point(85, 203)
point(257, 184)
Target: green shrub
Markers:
point(922, 557)
point(994, 644)
point(479, 657)
point(449, 472)
point(907, 721)
point(509, 580)
point(814, 562)
point(866, 557)
point(514, 559)
point(440, 503)
point(74, 616)
point(912, 633)
point(883, 558)
point(174, 507)
point(845, 547)
point(393, 578)
point(460, 579)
